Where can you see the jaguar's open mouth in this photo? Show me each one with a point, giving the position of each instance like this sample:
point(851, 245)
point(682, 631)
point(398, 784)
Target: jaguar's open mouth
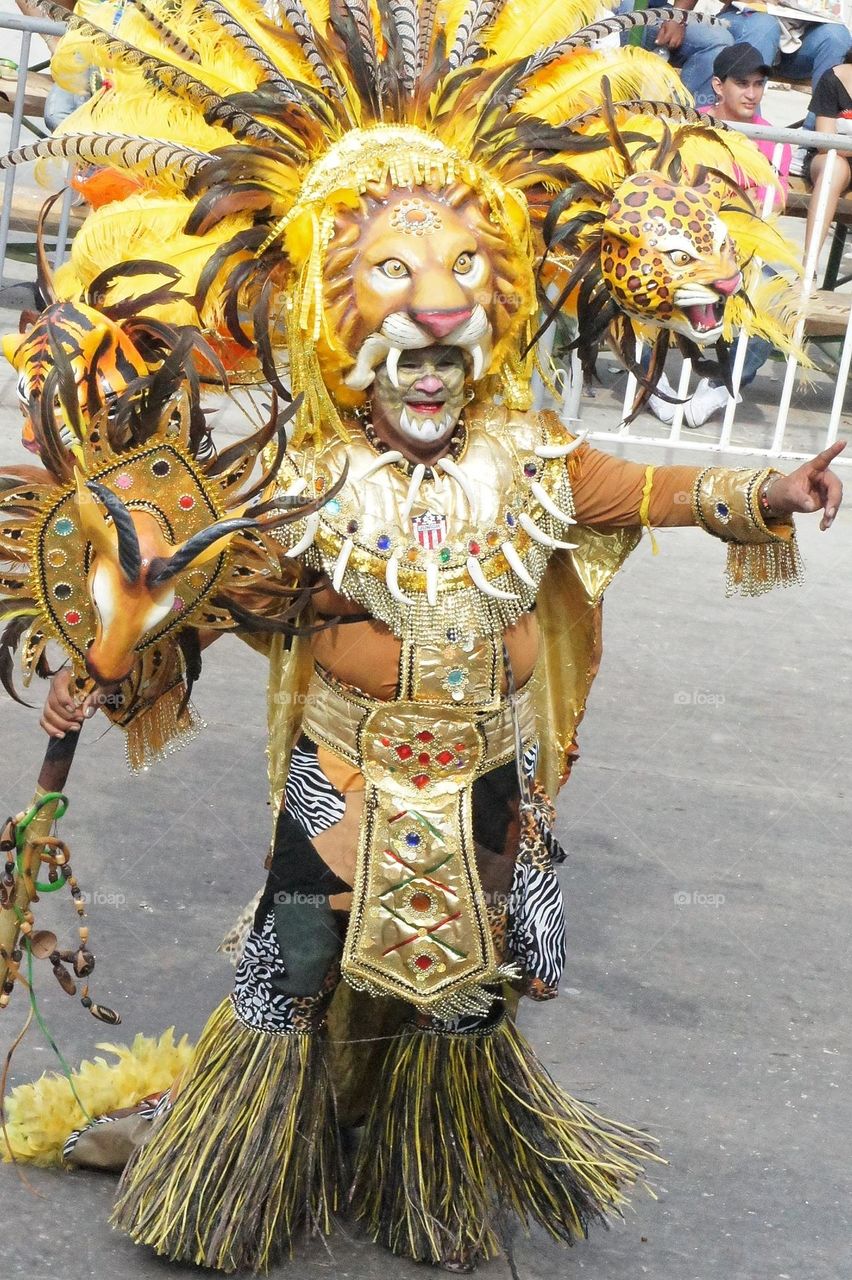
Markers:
point(705, 316)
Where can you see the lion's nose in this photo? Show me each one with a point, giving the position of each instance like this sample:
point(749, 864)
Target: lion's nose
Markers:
point(729, 286)
point(440, 323)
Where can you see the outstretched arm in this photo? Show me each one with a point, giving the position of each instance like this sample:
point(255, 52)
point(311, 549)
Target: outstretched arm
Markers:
point(614, 492)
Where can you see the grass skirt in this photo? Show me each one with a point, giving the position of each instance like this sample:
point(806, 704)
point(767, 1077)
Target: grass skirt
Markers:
point(247, 1158)
point(468, 1129)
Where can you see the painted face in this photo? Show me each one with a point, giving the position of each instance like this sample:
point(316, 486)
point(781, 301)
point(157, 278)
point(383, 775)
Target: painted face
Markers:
point(422, 404)
point(416, 269)
point(667, 258)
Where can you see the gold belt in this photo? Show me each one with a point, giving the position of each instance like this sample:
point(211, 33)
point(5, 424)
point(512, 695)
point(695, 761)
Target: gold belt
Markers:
point(335, 715)
point(419, 926)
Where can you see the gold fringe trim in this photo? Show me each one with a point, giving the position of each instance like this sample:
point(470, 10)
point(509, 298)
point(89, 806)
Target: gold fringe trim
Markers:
point(41, 1116)
point(158, 730)
point(247, 1156)
point(756, 567)
point(469, 1128)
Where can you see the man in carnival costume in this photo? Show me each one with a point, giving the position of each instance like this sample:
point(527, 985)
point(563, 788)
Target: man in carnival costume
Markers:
point(375, 208)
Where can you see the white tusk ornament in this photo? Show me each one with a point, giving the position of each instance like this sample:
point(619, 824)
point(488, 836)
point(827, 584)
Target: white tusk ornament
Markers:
point(392, 580)
point(413, 489)
point(432, 582)
point(516, 564)
point(307, 538)
point(340, 564)
point(543, 539)
point(447, 465)
point(543, 497)
point(383, 460)
point(474, 568)
point(559, 450)
point(392, 363)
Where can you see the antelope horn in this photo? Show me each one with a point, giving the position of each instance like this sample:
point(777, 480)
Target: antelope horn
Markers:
point(129, 555)
point(200, 544)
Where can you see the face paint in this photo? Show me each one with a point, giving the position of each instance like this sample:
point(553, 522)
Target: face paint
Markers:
point(422, 402)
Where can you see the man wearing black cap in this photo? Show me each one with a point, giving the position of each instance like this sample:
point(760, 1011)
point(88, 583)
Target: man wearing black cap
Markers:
point(739, 79)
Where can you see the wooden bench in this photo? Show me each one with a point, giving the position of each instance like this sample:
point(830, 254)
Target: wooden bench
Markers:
point(827, 314)
point(38, 86)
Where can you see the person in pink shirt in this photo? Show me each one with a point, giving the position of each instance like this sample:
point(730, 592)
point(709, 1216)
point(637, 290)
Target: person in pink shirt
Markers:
point(739, 80)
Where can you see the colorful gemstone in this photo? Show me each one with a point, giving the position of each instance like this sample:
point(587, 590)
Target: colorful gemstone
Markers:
point(530, 469)
point(445, 757)
point(421, 780)
point(412, 554)
point(412, 839)
point(492, 538)
point(510, 520)
point(123, 481)
point(72, 617)
point(186, 502)
point(425, 736)
point(420, 901)
point(383, 542)
point(424, 758)
point(455, 677)
point(474, 547)
point(424, 963)
point(319, 484)
point(385, 742)
point(64, 526)
point(445, 555)
point(352, 526)
point(56, 559)
point(160, 468)
point(404, 751)
point(332, 507)
point(178, 604)
point(62, 590)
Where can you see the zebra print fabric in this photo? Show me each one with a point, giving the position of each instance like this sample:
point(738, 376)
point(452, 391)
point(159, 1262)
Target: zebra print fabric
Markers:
point(309, 797)
point(536, 938)
point(256, 1002)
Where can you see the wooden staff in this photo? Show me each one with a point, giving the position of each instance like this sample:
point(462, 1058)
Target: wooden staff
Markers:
point(52, 778)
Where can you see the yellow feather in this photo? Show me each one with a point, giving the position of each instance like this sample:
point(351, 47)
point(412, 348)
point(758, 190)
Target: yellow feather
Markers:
point(144, 112)
point(145, 226)
point(41, 1116)
point(523, 28)
point(574, 84)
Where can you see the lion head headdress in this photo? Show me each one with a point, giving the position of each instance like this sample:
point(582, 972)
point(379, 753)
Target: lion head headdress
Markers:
point(358, 180)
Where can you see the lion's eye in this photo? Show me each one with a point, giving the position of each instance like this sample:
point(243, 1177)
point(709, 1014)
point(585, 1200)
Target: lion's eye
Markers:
point(463, 264)
point(680, 257)
point(393, 268)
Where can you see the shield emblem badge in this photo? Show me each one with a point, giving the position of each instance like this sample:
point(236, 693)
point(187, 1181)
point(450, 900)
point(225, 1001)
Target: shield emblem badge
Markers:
point(430, 529)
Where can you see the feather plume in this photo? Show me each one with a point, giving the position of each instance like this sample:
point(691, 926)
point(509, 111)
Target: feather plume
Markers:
point(522, 29)
point(573, 84)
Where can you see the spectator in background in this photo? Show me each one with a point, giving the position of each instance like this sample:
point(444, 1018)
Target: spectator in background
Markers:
point(690, 48)
point(801, 48)
point(739, 81)
point(832, 107)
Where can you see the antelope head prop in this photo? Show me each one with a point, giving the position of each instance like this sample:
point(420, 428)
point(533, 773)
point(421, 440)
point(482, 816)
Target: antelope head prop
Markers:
point(125, 563)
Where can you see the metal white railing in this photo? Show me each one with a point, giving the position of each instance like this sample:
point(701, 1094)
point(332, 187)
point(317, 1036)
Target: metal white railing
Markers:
point(26, 28)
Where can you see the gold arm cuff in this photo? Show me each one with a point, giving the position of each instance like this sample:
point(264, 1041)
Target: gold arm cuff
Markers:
point(760, 555)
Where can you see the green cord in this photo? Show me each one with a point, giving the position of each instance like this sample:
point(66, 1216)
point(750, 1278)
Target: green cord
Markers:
point(66, 1070)
point(49, 797)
